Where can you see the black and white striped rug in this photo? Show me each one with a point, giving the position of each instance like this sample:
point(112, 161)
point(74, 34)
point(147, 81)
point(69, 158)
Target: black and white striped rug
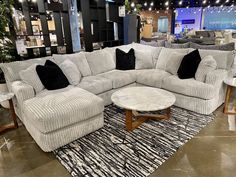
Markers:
point(112, 151)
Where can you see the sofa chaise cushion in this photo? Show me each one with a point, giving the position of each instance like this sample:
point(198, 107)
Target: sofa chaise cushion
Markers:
point(120, 78)
point(52, 110)
point(95, 84)
point(189, 87)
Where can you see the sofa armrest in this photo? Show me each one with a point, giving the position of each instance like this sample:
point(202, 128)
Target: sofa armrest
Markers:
point(22, 91)
point(216, 77)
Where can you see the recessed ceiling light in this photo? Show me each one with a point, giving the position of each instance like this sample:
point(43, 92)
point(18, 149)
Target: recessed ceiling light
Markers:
point(204, 2)
point(166, 3)
point(217, 1)
point(150, 9)
point(145, 4)
point(180, 3)
point(151, 4)
point(132, 4)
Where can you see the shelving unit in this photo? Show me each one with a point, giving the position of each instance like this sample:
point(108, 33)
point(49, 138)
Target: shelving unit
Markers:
point(105, 20)
point(39, 37)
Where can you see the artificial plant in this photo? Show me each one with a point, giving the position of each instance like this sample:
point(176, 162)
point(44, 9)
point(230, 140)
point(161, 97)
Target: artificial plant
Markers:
point(130, 10)
point(7, 43)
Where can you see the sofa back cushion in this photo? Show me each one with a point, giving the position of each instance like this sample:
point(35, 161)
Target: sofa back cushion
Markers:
point(224, 59)
point(165, 55)
point(174, 62)
point(176, 46)
point(143, 59)
point(78, 59)
point(150, 50)
point(207, 47)
point(158, 43)
point(12, 70)
point(100, 61)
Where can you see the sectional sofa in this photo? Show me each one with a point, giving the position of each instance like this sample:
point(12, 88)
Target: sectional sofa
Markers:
point(55, 118)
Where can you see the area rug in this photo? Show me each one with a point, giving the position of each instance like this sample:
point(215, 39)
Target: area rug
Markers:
point(112, 151)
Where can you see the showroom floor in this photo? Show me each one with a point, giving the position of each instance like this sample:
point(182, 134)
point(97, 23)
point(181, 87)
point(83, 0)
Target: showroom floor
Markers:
point(212, 153)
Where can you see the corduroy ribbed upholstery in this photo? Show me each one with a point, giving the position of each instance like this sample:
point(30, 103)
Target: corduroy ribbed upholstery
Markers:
point(55, 110)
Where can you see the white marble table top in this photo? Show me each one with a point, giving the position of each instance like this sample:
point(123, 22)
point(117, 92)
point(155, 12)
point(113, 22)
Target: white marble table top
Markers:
point(143, 99)
point(230, 81)
point(4, 96)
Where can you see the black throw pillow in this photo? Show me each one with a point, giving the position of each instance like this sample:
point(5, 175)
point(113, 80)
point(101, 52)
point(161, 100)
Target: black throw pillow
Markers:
point(125, 61)
point(189, 65)
point(51, 76)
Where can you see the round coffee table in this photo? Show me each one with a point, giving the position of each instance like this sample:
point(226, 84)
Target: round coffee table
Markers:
point(143, 99)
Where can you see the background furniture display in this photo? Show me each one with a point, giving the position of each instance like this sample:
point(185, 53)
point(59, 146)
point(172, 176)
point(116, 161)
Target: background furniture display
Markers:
point(231, 85)
point(136, 99)
point(4, 97)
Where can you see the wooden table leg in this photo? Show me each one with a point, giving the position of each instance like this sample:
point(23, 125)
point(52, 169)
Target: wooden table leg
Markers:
point(227, 98)
point(128, 120)
point(139, 118)
point(13, 114)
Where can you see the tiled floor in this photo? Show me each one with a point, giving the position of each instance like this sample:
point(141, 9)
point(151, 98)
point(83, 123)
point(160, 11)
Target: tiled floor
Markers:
point(212, 153)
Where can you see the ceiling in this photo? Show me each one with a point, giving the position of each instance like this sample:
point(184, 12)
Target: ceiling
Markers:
point(172, 4)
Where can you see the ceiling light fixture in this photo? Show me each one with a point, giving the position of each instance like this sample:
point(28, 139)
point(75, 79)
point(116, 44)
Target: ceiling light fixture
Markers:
point(151, 4)
point(217, 1)
point(150, 9)
point(204, 2)
point(132, 4)
point(167, 3)
point(145, 4)
point(180, 3)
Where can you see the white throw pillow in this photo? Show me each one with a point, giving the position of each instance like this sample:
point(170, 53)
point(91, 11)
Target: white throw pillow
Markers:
point(165, 55)
point(100, 61)
point(174, 62)
point(30, 76)
point(71, 72)
point(78, 59)
point(207, 65)
point(143, 59)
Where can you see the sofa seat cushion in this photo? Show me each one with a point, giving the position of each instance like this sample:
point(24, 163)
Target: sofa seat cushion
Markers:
point(95, 84)
point(52, 110)
point(119, 78)
point(152, 77)
point(189, 87)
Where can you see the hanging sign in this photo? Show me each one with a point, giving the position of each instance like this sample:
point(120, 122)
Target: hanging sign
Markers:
point(121, 11)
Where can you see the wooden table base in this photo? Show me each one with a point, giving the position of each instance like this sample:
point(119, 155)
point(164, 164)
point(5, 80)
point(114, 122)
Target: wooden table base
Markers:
point(13, 116)
point(227, 100)
point(141, 118)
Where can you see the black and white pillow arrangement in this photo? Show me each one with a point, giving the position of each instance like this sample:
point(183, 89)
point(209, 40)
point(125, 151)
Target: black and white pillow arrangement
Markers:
point(51, 76)
point(190, 65)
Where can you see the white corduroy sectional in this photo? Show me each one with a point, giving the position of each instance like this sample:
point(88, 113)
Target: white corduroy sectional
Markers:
point(55, 118)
